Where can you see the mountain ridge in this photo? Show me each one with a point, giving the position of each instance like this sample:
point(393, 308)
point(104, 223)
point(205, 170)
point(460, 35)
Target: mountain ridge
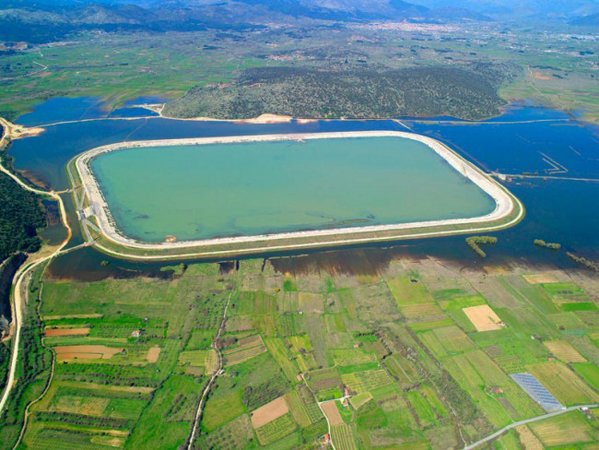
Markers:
point(44, 20)
point(592, 20)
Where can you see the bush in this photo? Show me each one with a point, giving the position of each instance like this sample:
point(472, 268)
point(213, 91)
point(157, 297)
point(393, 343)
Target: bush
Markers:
point(583, 262)
point(474, 242)
point(550, 245)
point(21, 215)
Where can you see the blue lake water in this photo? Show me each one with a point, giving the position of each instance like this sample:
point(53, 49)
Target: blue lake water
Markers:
point(205, 191)
point(559, 211)
point(149, 99)
point(64, 109)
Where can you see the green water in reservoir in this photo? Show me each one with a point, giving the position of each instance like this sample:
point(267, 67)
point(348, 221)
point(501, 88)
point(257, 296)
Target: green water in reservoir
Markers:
point(205, 191)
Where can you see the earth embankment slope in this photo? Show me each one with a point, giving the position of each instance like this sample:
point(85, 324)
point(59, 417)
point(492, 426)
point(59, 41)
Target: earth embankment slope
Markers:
point(507, 212)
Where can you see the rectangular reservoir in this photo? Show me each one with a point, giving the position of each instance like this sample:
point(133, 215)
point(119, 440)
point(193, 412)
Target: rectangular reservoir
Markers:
point(196, 192)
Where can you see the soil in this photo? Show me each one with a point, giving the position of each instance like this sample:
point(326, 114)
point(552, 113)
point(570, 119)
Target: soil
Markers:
point(483, 318)
point(269, 412)
point(52, 332)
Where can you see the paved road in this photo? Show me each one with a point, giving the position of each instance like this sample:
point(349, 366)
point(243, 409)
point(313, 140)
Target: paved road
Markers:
point(524, 422)
point(20, 290)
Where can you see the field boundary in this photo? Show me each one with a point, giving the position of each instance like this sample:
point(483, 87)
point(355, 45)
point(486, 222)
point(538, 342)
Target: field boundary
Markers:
point(524, 422)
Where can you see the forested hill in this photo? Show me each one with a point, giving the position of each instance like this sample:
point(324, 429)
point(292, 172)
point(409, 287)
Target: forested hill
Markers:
point(20, 216)
point(310, 93)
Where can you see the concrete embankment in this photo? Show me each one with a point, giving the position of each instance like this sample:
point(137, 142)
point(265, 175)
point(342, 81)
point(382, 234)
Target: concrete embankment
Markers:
point(505, 202)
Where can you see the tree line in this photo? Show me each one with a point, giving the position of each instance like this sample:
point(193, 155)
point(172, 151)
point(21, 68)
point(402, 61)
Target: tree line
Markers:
point(21, 215)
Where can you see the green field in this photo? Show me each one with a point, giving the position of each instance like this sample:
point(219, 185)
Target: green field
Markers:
point(568, 429)
point(122, 66)
point(411, 379)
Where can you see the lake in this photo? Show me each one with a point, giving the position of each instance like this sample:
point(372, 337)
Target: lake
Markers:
point(232, 189)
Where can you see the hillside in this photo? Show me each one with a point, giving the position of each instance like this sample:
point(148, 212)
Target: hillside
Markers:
point(588, 21)
point(46, 21)
point(312, 93)
point(522, 9)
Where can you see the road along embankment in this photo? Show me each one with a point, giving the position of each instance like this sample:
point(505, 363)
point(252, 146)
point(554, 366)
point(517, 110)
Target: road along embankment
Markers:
point(508, 210)
point(20, 286)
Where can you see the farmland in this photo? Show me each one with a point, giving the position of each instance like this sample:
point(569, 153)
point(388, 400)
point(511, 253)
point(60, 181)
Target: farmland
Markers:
point(351, 349)
point(418, 371)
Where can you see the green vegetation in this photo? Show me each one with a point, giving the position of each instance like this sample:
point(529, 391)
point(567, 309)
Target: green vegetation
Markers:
point(237, 434)
point(563, 383)
point(275, 430)
point(265, 392)
point(474, 243)
point(550, 245)
point(565, 430)
point(583, 262)
point(468, 93)
point(33, 368)
point(343, 437)
point(589, 372)
point(418, 373)
point(142, 64)
point(21, 216)
point(4, 361)
point(414, 366)
point(134, 56)
point(164, 422)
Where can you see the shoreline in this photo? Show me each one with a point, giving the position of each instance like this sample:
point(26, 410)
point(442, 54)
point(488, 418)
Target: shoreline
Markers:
point(14, 131)
point(268, 118)
point(505, 203)
point(262, 119)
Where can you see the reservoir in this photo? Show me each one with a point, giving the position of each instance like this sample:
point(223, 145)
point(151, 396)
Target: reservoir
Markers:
point(205, 191)
point(557, 210)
